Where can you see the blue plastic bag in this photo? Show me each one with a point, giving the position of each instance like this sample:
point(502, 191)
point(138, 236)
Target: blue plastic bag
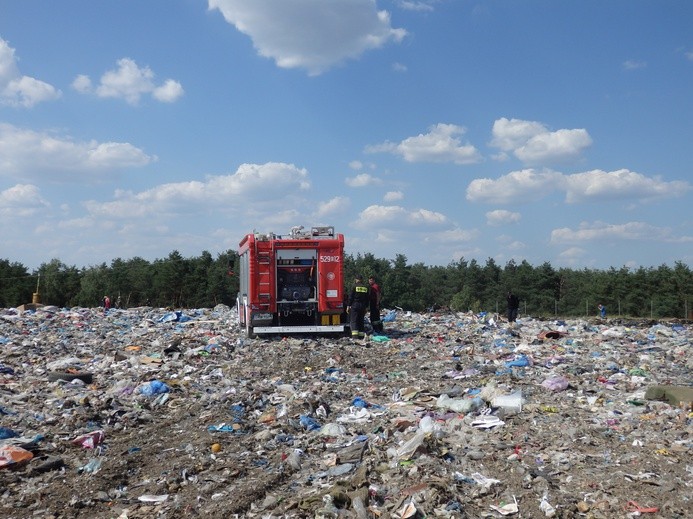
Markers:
point(155, 387)
point(308, 423)
point(390, 316)
point(519, 362)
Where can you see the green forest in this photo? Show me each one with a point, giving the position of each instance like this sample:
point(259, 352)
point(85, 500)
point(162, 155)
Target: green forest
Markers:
point(205, 281)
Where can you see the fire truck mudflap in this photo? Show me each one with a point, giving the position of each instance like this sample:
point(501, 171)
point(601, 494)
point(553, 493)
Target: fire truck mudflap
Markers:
point(292, 283)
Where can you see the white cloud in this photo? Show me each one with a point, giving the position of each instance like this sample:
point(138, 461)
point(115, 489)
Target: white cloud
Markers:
point(82, 84)
point(22, 200)
point(26, 153)
point(399, 67)
point(501, 217)
point(601, 231)
point(440, 144)
point(261, 183)
point(572, 253)
point(510, 134)
point(393, 196)
point(338, 204)
point(394, 216)
point(632, 64)
point(169, 92)
point(310, 34)
point(552, 147)
point(362, 180)
point(410, 5)
point(426, 217)
point(529, 185)
point(380, 216)
point(130, 82)
point(532, 143)
point(454, 235)
point(601, 185)
point(515, 246)
point(523, 186)
point(18, 90)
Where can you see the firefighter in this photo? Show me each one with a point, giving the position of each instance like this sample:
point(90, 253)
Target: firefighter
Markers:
point(513, 306)
point(357, 305)
point(376, 295)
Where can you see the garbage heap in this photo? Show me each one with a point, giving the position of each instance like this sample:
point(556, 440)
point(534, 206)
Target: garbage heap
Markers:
point(144, 412)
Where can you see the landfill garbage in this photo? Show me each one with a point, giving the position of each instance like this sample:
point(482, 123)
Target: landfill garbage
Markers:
point(11, 455)
point(90, 440)
point(675, 395)
point(153, 387)
point(507, 508)
point(147, 412)
point(511, 403)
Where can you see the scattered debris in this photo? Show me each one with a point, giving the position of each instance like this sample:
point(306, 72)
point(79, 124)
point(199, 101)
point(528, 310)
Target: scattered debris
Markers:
point(144, 412)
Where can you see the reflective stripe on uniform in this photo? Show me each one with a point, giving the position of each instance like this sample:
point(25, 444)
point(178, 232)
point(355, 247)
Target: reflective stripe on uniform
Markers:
point(362, 289)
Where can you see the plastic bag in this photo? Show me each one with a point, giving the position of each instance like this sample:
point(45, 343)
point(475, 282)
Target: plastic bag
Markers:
point(459, 405)
point(154, 387)
point(11, 455)
point(390, 316)
point(555, 383)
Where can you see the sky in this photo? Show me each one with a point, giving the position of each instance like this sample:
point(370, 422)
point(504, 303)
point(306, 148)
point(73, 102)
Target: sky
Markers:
point(533, 130)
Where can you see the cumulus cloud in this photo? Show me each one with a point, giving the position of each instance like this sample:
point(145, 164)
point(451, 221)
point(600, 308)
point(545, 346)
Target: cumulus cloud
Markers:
point(606, 232)
point(336, 205)
point(532, 143)
point(426, 217)
point(527, 185)
point(601, 185)
point(362, 180)
point(27, 153)
point(393, 216)
point(22, 200)
point(313, 35)
point(393, 196)
point(510, 134)
point(501, 217)
point(266, 183)
point(18, 90)
point(130, 82)
point(440, 144)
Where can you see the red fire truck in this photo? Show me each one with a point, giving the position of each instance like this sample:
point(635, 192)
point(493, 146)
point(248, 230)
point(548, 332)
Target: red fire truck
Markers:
point(292, 283)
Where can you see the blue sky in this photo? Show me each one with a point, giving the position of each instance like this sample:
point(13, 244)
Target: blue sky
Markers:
point(438, 129)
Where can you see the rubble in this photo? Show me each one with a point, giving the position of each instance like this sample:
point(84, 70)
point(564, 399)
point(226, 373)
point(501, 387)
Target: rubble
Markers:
point(144, 412)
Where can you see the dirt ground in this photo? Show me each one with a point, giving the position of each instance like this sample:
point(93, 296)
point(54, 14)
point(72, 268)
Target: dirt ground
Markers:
point(595, 449)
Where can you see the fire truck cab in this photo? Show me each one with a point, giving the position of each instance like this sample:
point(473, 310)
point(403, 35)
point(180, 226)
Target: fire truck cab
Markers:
point(292, 283)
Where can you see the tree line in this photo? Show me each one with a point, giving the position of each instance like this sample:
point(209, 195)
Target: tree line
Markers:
point(464, 285)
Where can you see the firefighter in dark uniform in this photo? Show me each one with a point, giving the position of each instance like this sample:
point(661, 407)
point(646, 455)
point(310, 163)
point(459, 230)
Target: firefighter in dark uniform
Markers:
point(357, 305)
point(375, 305)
